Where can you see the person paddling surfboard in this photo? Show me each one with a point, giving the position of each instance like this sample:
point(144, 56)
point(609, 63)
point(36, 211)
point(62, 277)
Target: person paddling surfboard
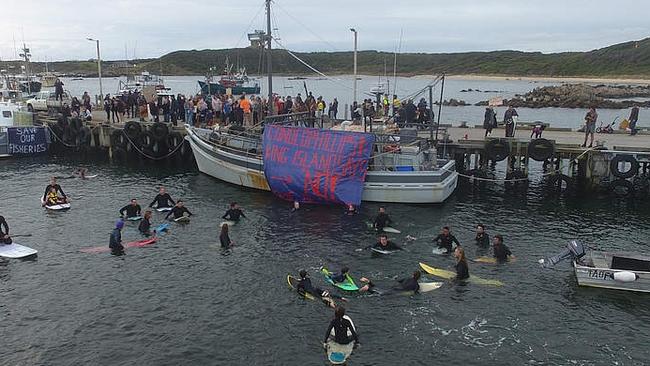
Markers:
point(4, 231)
point(162, 200)
point(133, 209)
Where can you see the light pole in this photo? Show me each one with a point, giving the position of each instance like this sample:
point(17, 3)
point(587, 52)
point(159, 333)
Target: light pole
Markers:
point(355, 66)
point(99, 68)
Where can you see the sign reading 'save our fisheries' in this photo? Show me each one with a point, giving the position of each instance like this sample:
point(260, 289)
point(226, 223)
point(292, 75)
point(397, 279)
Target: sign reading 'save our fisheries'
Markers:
point(316, 166)
point(26, 140)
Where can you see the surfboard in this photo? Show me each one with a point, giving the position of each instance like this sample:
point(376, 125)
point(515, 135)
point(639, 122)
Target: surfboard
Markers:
point(491, 260)
point(134, 218)
point(293, 283)
point(14, 250)
point(59, 207)
point(392, 230)
point(162, 227)
point(133, 244)
point(230, 223)
point(443, 273)
point(91, 176)
point(164, 209)
point(439, 251)
point(183, 219)
point(348, 285)
point(382, 251)
point(429, 286)
point(337, 354)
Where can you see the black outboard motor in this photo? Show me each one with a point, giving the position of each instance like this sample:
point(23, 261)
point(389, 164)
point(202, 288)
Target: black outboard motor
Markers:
point(574, 250)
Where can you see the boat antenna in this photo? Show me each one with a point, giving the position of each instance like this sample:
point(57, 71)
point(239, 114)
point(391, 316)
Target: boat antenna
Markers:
point(269, 63)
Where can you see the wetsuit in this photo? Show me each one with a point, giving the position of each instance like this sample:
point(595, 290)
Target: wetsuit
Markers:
point(145, 227)
point(4, 231)
point(178, 212)
point(162, 200)
point(409, 284)
point(483, 240)
point(233, 214)
point(115, 242)
point(382, 220)
point(338, 277)
point(446, 242)
point(341, 326)
point(501, 252)
point(57, 189)
point(389, 246)
point(131, 210)
point(462, 270)
point(225, 240)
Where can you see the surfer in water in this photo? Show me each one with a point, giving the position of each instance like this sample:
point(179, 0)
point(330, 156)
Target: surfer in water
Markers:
point(410, 283)
point(445, 240)
point(341, 325)
point(482, 238)
point(57, 189)
point(178, 211)
point(462, 269)
point(145, 224)
point(305, 286)
point(115, 241)
point(234, 213)
point(296, 206)
point(382, 220)
point(351, 210)
point(224, 238)
point(501, 252)
point(132, 209)
point(385, 244)
point(80, 172)
point(4, 231)
point(342, 275)
point(162, 199)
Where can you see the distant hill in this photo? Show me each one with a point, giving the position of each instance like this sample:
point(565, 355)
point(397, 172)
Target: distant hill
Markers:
point(630, 59)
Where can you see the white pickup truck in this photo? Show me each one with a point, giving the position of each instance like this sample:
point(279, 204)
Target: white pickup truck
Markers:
point(46, 101)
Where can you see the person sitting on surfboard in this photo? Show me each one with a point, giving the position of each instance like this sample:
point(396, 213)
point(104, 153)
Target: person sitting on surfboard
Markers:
point(410, 283)
point(178, 211)
point(145, 224)
point(341, 325)
point(52, 198)
point(382, 220)
point(234, 213)
point(482, 238)
point(224, 238)
point(462, 269)
point(162, 199)
point(132, 209)
point(385, 244)
point(501, 251)
point(445, 240)
point(57, 189)
point(115, 241)
point(4, 231)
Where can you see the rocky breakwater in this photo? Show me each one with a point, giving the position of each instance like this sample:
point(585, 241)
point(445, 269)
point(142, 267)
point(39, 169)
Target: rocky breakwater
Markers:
point(581, 96)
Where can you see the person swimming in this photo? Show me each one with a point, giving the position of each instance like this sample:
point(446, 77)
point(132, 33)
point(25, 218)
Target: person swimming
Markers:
point(501, 252)
point(410, 283)
point(384, 244)
point(178, 211)
point(234, 213)
point(482, 238)
point(162, 199)
point(351, 210)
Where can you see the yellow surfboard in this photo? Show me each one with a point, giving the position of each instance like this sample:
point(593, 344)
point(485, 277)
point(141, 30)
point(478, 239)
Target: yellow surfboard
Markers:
point(491, 260)
point(443, 273)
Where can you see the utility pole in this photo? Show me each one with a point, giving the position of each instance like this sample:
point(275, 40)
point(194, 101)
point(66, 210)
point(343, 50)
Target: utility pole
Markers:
point(354, 88)
point(99, 67)
point(269, 62)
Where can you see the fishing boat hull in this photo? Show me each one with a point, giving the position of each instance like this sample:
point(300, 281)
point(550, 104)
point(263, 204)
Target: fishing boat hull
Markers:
point(216, 88)
point(247, 170)
point(619, 271)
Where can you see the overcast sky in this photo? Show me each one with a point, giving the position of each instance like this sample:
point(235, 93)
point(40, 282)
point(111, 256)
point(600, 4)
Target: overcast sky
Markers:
point(57, 29)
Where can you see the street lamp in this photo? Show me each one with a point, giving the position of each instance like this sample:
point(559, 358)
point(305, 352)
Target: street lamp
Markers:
point(355, 64)
point(99, 68)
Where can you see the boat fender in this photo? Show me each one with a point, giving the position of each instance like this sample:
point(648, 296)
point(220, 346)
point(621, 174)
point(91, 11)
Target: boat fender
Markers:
point(84, 136)
point(622, 187)
point(117, 139)
point(625, 276)
point(497, 150)
point(345, 125)
point(556, 182)
point(133, 129)
point(175, 139)
point(624, 158)
point(159, 131)
point(147, 140)
point(541, 149)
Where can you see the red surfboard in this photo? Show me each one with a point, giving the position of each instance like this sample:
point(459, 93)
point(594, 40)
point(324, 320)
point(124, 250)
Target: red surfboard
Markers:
point(133, 244)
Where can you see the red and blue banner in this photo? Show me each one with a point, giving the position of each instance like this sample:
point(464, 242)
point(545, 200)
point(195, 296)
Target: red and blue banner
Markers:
point(312, 165)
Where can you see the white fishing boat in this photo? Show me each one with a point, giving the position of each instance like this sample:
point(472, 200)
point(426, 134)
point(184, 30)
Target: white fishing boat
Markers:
point(403, 170)
point(612, 270)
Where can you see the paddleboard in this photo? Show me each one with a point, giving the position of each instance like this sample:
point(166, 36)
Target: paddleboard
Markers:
point(230, 223)
point(337, 354)
point(14, 250)
point(293, 283)
point(348, 285)
point(184, 219)
point(382, 251)
point(62, 206)
point(133, 244)
point(443, 273)
point(491, 260)
point(163, 209)
point(392, 230)
point(134, 218)
point(439, 251)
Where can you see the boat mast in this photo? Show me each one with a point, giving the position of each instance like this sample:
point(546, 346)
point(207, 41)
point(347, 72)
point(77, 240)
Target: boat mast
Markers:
point(269, 63)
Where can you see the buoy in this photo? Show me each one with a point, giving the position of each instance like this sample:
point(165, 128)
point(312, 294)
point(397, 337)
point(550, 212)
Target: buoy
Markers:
point(625, 276)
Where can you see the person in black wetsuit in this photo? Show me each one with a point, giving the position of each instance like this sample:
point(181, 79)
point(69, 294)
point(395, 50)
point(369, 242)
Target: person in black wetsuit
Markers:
point(57, 188)
point(162, 199)
point(115, 241)
point(462, 269)
point(145, 224)
point(351, 210)
point(296, 206)
point(410, 283)
point(385, 244)
point(482, 238)
point(341, 325)
point(445, 240)
point(4, 231)
point(501, 252)
point(234, 213)
point(341, 276)
point(382, 220)
point(224, 238)
point(131, 210)
point(178, 211)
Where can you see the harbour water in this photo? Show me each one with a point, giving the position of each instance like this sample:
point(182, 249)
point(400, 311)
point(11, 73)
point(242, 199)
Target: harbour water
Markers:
point(341, 88)
point(185, 301)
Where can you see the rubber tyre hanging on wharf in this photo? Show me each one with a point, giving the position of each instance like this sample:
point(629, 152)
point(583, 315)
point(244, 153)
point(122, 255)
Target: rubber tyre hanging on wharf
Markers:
point(556, 181)
point(133, 130)
point(84, 136)
point(497, 150)
point(541, 149)
point(118, 139)
point(614, 166)
point(147, 140)
point(622, 188)
point(160, 131)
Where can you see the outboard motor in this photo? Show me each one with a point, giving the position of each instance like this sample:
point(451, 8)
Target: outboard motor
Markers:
point(574, 250)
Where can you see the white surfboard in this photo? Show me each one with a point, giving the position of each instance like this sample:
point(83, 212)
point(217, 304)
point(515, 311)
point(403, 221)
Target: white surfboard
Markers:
point(60, 207)
point(392, 230)
point(134, 218)
point(429, 286)
point(163, 209)
point(439, 251)
point(16, 251)
point(382, 251)
point(183, 219)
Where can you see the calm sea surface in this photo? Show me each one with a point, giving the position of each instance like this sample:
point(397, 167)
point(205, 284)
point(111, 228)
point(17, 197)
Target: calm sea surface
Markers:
point(185, 301)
